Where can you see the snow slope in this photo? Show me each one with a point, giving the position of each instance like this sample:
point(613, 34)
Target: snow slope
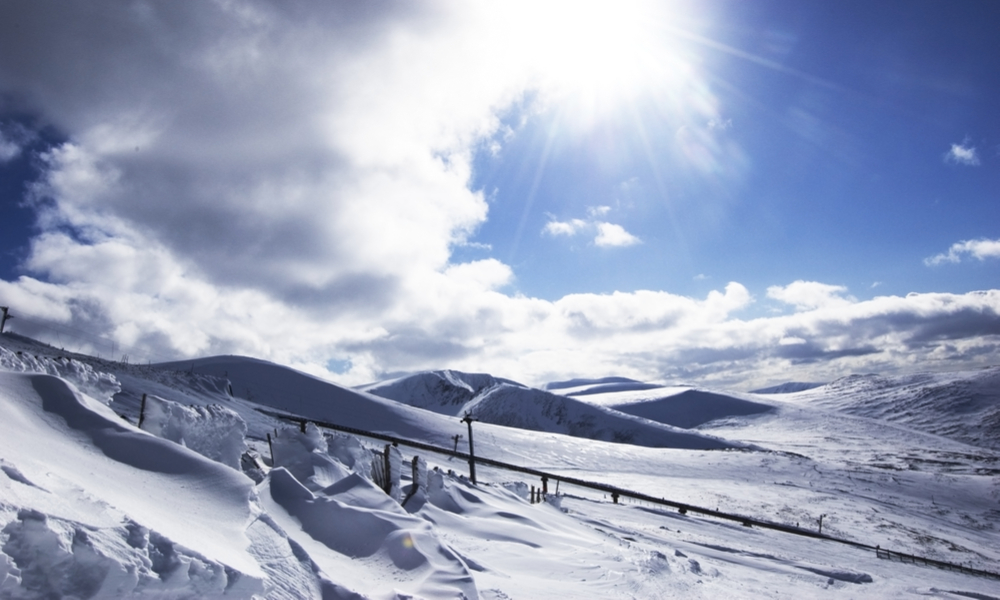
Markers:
point(511, 404)
point(132, 512)
point(963, 406)
point(93, 507)
point(684, 407)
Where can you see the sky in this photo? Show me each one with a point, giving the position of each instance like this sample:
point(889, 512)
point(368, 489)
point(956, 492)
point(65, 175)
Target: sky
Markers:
point(722, 193)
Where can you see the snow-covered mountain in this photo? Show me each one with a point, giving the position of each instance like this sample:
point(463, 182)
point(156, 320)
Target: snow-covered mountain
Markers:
point(677, 406)
point(210, 498)
point(507, 403)
point(446, 392)
point(963, 406)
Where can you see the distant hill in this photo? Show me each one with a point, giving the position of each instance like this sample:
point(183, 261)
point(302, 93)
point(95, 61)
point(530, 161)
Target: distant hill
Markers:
point(692, 408)
point(964, 405)
point(572, 383)
point(789, 387)
point(507, 403)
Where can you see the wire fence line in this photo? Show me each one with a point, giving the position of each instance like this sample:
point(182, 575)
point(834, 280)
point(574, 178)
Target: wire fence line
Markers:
point(619, 493)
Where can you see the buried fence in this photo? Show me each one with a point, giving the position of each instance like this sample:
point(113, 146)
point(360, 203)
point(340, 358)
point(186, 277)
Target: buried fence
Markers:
point(617, 493)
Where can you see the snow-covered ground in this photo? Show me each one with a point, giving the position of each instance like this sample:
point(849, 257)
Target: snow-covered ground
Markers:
point(197, 503)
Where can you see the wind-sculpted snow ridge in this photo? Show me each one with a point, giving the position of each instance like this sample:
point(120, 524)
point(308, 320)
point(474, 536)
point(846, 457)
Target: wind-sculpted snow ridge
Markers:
point(511, 404)
point(95, 384)
point(963, 406)
point(89, 504)
point(214, 431)
point(353, 529)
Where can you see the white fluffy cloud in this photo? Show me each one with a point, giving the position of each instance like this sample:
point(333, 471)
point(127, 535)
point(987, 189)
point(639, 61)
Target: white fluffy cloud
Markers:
point(980, 249)
point(289, 180)
point(609, 234)
point(963, 154)
point(808, 295)
point(606, 235)
point(567, 228)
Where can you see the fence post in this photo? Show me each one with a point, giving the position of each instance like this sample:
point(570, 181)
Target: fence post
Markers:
point(142, 411)
point(416, 481)
point(472, 453)
point(388, 469)
point(6, 315)
point(270, 449)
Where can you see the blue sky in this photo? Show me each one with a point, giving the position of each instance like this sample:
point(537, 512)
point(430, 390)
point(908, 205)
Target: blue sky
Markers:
point(844, 117)
point(730, 193)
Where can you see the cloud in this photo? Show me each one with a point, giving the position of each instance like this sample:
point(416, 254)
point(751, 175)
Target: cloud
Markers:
point(8, 149)
point(720, 124)
point(606, 235)
point(611, 235)
point(289, 181)
point(980, 249)
point(962, 154)
point(567, 228)
point(808, 295)
point(13, 138)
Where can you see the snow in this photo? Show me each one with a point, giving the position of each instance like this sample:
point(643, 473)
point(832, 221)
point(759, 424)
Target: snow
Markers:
point(214, 431)
point(198, 504)
point(964, 405)
point(503, 402)
point(787, 387)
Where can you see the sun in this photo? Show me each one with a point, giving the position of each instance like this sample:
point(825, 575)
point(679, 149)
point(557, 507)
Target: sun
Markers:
point(596, 54)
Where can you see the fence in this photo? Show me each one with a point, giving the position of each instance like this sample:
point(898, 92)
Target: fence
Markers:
point(617, 493)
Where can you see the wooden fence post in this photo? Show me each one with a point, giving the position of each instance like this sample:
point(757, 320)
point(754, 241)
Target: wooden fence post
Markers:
point(388, 469)
point(142, 411)
point(472, 452)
